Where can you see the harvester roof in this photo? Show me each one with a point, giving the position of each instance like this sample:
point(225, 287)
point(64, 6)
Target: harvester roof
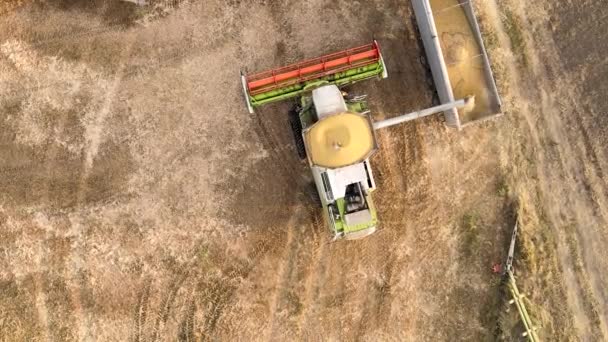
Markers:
point(340, 140)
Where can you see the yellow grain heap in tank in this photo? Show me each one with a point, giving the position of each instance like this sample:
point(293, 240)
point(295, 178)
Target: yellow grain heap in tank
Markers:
point(463, 57)
point(340, 140)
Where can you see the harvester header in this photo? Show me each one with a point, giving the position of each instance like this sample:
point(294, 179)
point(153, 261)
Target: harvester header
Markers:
point(339, 68)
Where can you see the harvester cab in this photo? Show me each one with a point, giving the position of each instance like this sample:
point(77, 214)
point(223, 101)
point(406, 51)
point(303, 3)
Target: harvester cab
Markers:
point(334, 132)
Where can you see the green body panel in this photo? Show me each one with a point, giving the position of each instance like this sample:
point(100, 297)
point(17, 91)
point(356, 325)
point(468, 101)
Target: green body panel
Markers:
point(357, 107)
point(342, 227)
point(339, 79)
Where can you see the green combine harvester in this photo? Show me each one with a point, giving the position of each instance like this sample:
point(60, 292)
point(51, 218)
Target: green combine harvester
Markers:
point(334, 132)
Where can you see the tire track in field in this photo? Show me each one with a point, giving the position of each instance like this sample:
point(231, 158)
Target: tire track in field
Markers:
point(301, 233)
point(40, 297)
point(167, 302)
point(217, 297)
point(212, 294)
point(411, 186)
point(399, 159)
point(284, 273)
point(149, 323)
point(270, 144)
point(187, 321)
point(376, 305)
point(290, 264)
point(318, 276)
point(289, 267)
point(141, 311)
point(218, 293)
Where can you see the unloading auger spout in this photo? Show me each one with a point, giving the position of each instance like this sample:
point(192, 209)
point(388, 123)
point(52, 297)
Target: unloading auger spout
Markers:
point(465, 104)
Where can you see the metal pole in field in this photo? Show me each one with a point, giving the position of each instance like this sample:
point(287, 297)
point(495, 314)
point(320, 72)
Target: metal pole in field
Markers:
point(521, 307)
point(425, 112)
point(509, 263)
point(530, 332)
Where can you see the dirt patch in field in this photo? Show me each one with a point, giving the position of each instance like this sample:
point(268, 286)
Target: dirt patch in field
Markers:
point(141, 201)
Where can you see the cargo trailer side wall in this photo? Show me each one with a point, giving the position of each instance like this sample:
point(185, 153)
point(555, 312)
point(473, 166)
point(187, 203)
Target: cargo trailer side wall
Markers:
point(434, 56)
point(496, 102)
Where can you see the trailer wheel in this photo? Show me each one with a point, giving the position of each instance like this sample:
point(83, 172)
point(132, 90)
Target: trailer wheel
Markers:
point(296, 129)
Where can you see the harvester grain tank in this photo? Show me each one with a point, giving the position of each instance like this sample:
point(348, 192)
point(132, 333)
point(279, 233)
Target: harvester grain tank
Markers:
point(334, 131)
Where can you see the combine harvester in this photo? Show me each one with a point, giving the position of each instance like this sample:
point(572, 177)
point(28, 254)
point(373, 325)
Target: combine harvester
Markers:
point(334, 132)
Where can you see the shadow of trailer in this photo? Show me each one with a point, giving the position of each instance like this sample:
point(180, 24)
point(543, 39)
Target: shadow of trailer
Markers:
point(457, 58)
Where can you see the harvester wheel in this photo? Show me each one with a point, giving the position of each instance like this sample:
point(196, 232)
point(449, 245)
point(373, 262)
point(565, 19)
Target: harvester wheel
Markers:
point(296, 128)
point(313, 193)
point(424, 62)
